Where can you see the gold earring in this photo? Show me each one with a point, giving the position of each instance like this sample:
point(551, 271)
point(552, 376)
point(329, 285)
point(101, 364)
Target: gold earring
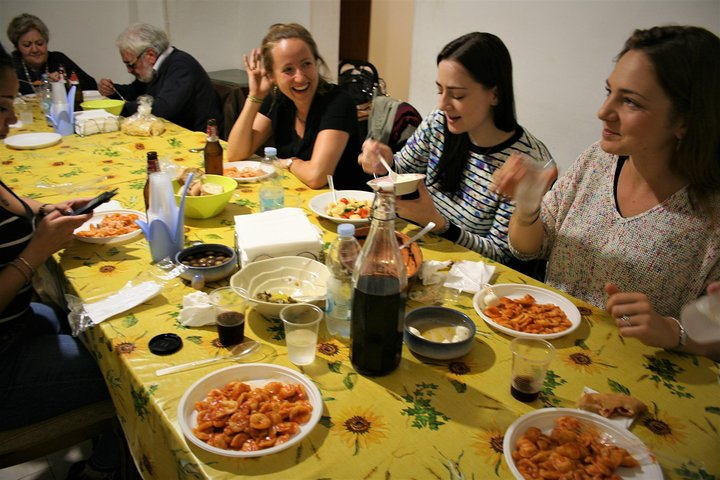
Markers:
point(275, 90)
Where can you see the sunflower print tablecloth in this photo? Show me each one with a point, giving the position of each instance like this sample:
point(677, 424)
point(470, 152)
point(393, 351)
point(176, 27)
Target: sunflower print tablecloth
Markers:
point(441, 419)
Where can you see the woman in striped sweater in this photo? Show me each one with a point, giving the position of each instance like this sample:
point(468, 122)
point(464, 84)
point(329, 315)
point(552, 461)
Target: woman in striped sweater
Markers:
point(461, 144)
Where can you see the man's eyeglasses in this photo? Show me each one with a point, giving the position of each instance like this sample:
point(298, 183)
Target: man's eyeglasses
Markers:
point(131, 65)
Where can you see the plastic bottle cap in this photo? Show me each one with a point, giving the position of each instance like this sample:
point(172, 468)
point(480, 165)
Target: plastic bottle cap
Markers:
point(346, 230)
point(270, 151)
point(165, 344)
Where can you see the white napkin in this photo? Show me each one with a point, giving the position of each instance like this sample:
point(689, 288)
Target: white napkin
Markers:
point(126, 298)
point(197, 310)
point(467, 276)
point(276, 233)
point(430, 271)
point(89, 122)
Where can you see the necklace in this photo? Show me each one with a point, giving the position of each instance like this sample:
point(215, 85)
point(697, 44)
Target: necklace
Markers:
point(297, 115)
point(27, 73)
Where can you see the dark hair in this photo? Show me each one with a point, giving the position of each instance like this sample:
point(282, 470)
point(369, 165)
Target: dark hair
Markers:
point(283, 31)
point(22, 24)
point(687, 65)
point(6, 62)
point(488, 62)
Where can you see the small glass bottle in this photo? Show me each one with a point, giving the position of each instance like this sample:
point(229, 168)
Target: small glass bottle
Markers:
point(74, 81)
point(379, 292)
point(213, 151)
point(272, 194)
point(46, 99)
point(153, 166)
point(340, 260)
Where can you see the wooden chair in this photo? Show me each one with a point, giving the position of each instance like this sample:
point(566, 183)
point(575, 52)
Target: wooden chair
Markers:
point(42, 438)
point(232, 98)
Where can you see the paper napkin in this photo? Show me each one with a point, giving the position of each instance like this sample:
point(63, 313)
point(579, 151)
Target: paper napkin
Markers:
point(467, 276)
point(276, 233)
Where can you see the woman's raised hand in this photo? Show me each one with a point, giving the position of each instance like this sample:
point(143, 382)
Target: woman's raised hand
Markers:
point(522, 180)
point(368, 158)
point(259, 84)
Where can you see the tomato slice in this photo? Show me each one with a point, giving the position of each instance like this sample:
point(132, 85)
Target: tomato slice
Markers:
point(364, 212)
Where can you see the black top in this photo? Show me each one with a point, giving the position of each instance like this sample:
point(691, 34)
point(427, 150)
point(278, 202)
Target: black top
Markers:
point(15, 233)
point(55, 59)
point(330, 110)
point(182, 93)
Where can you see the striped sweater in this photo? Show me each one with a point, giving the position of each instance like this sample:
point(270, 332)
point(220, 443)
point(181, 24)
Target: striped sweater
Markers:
point(479, 218)
point(15, 234)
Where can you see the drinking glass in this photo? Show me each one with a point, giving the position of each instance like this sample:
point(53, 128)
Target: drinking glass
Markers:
point(530, 360)
point(229, 315)
point(301, 322)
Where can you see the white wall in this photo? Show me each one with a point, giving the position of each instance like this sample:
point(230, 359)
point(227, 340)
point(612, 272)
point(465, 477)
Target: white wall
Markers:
point(562, 49)
point(562, 53)
point(216, 32)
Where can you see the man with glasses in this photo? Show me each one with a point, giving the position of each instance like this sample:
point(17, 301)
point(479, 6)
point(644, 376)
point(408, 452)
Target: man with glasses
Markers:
point(181, 89)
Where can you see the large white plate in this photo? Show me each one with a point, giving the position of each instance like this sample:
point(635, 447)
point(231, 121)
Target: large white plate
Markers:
point(544, 419)
point(319, 203)
point(542, 295)
point(256, 375)
point(97, 218)
point(268, 169)
point(30, 141)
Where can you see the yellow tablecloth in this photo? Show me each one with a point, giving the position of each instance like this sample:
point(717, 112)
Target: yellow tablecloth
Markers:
point(425, 420)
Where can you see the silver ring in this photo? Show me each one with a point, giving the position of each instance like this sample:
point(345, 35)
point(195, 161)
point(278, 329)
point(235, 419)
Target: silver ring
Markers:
point(626, 321)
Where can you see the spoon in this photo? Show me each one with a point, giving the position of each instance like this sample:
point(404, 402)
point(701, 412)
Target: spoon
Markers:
point(238, 351)
point(422, 232)
point(391, 173)
point(332, 188)
point(118, 94)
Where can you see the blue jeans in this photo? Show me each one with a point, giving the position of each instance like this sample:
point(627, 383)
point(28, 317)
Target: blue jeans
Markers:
point(45, 371)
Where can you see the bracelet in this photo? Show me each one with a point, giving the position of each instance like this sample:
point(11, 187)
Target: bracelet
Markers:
point(535, 216)
point(255, 99)
point(41, 210)
point(27, 264)
point(28, 278)
point(682, 335)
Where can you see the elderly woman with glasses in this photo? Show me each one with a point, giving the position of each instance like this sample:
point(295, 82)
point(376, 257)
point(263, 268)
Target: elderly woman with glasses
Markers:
point(30, 36)
point(181, 89)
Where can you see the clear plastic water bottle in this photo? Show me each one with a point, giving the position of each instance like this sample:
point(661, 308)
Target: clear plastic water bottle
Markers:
point(272, 194)
point(701, 319)
point(45, 93)
point(340, 260)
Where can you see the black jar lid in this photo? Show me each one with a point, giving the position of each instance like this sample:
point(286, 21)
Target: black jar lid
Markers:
point(165, 344)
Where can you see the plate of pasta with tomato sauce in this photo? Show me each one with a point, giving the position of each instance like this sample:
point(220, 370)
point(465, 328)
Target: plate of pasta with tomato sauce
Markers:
point(523, 310)
point(551, 442)
point(249, 410)
point(110, 226)
point(348, 206)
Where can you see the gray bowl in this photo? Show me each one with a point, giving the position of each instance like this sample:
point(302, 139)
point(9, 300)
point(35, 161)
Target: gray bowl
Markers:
point(211, 273)
point(439, 322)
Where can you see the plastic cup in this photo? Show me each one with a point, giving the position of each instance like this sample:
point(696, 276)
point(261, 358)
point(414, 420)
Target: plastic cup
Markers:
point(301, 322)
point(530, 360)
point(229, 315)
point(701, 319)
point(25, 113)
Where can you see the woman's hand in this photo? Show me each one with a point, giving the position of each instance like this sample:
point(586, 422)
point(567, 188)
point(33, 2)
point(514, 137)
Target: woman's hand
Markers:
point(520, 179)
point(55, 230)
point(259, 84)
point(368, 158)
point(421, 210)
point(636, 317)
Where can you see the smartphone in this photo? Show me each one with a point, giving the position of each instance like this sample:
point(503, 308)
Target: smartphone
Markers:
point(92, 204)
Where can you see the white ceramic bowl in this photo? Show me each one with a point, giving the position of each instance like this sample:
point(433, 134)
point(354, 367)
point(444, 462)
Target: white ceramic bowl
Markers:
point(541, 295)
point(98, 217)
point(404, 183)
point(302, 278)
point(612, 433)
point(319, 204)
point(256, 375)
